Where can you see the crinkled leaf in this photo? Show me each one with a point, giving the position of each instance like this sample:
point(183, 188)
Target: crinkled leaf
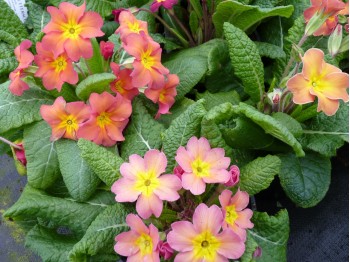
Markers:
point(6, 50)
point(8, 38)
point(181, 130)
point(49, 245)
point(42, 162)
point(17, 111)
point(35, 203)
point(305, 180)
point(80, 180)
point(246, 61)
point(97, 83)
point(258, 174)
point(244, 16)
point(271, 233)
point(293, 126)
point(271, 126)
point(177, 109)
point(272, 31)
point(37, 19)
point(250, 247)
point(104, 163)
point(270, 50)
point(214, 99)
point(101, 233)
point(169, 44)
point(8, 64)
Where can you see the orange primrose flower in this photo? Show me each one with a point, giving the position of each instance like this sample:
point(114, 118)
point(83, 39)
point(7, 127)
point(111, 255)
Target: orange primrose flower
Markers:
point(320, 79)
point(24, 57)
point(64, 118)
point(17, 85)
point(148, 69)
point(70, 30)
point(130, 25)
point(123, 83)
point(54, 70)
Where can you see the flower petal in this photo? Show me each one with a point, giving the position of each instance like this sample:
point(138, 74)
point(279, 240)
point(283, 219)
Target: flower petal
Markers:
point(243, 219)
point(155, 161)
point(124, 190)
point(312, 61)
point(126, 243)
point(240, 200)
point(181, 236)
point(231, 246)
point(136, 224)
point(207, 219)
point(193, 183)
point(300, 88)
point(168, 187)
point(225, 198)
point(146, 205)
point(334, 86)
point(184, 159)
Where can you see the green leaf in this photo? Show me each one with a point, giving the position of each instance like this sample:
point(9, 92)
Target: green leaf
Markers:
point(193, 22)
point(305, 180)
point(35, 203)
point(169, 44)
point(246, 61)
point(8, 38)
point(37, 19)
point(42, 162)
point(101, 233)
point(95, 64)
point(271, 233)
point(289, 122)
point(17, 111)
point(80, 180)
point(214, 99)
point(325, 134)
point(250, 247)
point(49, 245)
point(271, 126)
point(8, 64)
point(270, 50)
point(142, 134)
point(104, 163)
point(6, 51)
point(97, 83)
point(244, 16)
point(177, 109)
point(258, 174)
point(181, 130)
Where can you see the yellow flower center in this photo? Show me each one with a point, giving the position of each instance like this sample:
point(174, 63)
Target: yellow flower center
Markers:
point(205, 246)
point(103, 119)
point(200, 168)
point(119, 86)
point(316, 83)
point(160, 1)
point(146, 182)
point(71, 30)
point(144, 242)
point(147, 60)
point(231, 214)
point(69, 123)
point(60, 64)
point(134, 27)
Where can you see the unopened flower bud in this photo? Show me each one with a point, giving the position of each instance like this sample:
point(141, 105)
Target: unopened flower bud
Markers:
point(275, 96)
point(335, 39)
point(257, 253)
point(344, 45)
point(19, 157)
point(315, 23)
point(106, 49)
point(116, 13)
point(234, 179)
point(165, 250)
point(178, 171)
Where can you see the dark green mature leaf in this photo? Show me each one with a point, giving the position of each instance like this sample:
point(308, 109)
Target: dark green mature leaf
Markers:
point(293, 126)
point(80, 180)
point(270, 50)
point(326, 134)
point(10, 22)
point(258, 174)
point(8, 38)
point(17, 111)
point(6, 50)
point(244, 16)
point(246, 61)
point(272, 31)
point(143, 132)
point(101, 233)
point(35, 203)
point(214, 99)
point(181, 130)
point(271, 233)
point(271, 126)
point(104, 163)
point(305, 180)
point(8, 64)
point(177, 109)
point(42, 162)
point(97, 83)
point(49, 245)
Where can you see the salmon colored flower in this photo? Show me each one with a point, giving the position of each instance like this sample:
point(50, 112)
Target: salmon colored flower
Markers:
point(237, 216)
point(167, 4)
point(130, 25)
point(142, 181)
point(17, 85)
point(140, 243)
point(123, 83)
point(202, 165)
point(54, 70)
point(164, 96)
point(148, 69)
point(24, 57)
point(70, 30)
point(202, 241)
point(109, 116)
point(320, 79)
point(64, 118)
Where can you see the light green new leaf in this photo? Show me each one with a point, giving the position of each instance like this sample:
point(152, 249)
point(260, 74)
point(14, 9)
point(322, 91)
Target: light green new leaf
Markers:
point(42, 162)
point(10, 22)
point(17, 111)
point(49, 245)
point(97, 83)
point(258, 174)
point(271, 126)
point(35, 203)
point(99, 237)
point(142, 133)
point(80, 180)
point(305, 180)
point(246, 61)
point(181, 130)
point(244, 16)
point(104, 163)
point(270, 50)
point(271, 234)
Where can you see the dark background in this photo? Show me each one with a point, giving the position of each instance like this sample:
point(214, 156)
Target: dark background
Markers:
point(317, 234)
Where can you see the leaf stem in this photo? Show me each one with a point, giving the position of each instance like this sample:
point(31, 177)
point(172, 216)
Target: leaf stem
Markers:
point(189, 36)
point(10, 143)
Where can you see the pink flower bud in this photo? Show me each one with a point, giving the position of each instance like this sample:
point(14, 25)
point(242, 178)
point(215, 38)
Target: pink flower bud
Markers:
point(257, 253)
point(116, 13)
point(20, 154)
point(275, 96)
point(106, 49)
point(234, 179)
point(165, 250)
point(178, 171)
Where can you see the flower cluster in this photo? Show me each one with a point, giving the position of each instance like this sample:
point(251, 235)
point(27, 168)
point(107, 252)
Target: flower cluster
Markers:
point(215, 234)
